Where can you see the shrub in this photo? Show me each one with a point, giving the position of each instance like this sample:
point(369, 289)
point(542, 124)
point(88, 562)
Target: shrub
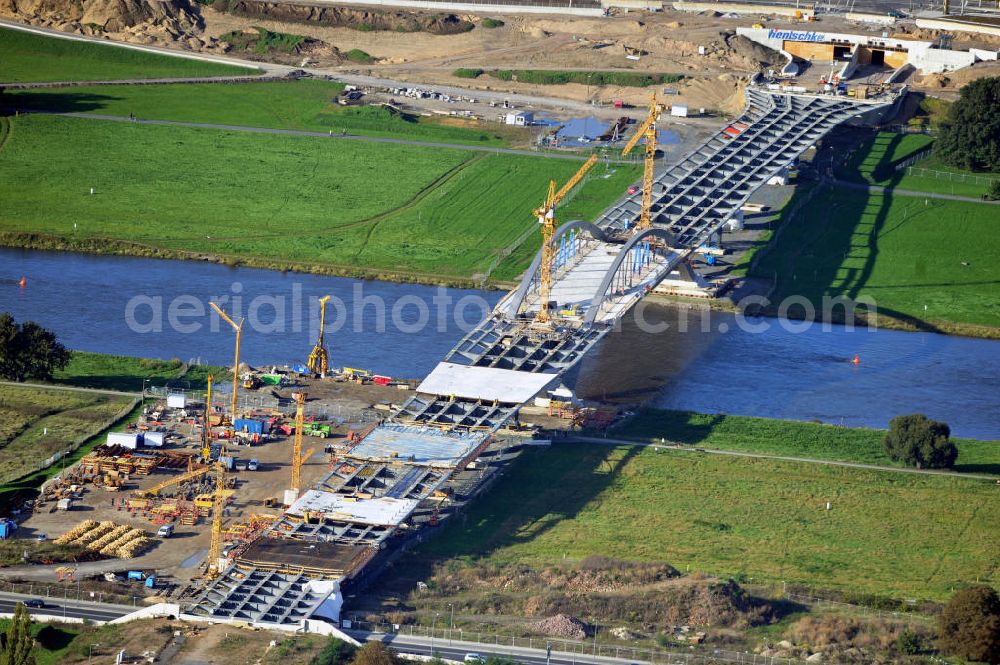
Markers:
point(993, 194)
point(544, 77)
point(918, 441)
point(969, 626)
point(908, 643)
point(363, 27)
point(493, 23)
point(357, 55)
point(467, 73)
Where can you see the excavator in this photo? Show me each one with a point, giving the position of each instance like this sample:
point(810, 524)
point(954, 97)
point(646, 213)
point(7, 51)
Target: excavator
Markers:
point(318, 359)
point(546, 217)
point(647, 131)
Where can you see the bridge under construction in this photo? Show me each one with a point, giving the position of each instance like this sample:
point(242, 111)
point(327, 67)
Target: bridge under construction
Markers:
point(584, 279)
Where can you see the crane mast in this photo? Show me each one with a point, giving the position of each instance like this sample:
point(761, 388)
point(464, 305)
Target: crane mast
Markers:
point(318, 358)
point(219, 500)
point(206, 439)
point(300, 403)
point(647, 131)
point(547, 218)
point(236, 362)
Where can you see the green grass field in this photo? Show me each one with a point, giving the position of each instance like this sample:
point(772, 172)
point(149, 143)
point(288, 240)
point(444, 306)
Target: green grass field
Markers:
point(785, 437)
point(886, 533)
point(928, 262)
point(52, 641)
point(125, 373)
point(277, 201)
point(300, 105)
point(30, 57)
point(36, 422)
point(874, 163)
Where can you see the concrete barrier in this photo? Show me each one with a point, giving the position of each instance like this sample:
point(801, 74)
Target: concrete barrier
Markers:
point(741, 8)
point(51, 618)
point(865, 17)
point(958, 24)
point(157, 611)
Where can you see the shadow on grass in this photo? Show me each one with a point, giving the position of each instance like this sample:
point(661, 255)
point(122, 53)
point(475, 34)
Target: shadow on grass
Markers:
point(52, 102)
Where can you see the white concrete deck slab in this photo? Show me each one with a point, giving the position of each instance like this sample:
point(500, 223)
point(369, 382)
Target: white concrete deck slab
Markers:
point(483, 383)
point(381, 511)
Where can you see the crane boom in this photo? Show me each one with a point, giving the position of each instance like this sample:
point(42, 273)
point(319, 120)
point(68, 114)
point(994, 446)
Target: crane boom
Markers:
point(647, 131)
point(176, 480)
point(236, 362)
point(546, 217)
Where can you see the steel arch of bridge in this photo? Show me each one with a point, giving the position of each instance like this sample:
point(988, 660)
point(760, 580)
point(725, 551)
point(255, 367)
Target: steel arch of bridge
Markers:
point(601, 294)
point(592, 230)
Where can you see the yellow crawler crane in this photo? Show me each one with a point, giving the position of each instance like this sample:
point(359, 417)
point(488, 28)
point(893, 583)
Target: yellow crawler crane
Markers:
point(218, 504)
point(547, 218)
point(318, 359)
point(238, 329)
point(647, 130)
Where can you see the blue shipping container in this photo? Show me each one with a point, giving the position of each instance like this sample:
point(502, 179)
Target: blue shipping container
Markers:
point(251, 426)
point(7, 528)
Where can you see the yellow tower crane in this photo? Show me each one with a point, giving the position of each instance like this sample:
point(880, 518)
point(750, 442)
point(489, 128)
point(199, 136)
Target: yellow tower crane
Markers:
point(547, 218)
point(298, 459)
point(318, 359)
point(647, 130)
point(238, 329)
point(206, 439)
point(218, 504)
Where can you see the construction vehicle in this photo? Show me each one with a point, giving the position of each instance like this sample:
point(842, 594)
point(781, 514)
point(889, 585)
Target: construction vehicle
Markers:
point(547, 218)
point(251, 381)
point(238, 329)
point(206, 438)
point(298, 459)
point(647, 131)
point(318, 359)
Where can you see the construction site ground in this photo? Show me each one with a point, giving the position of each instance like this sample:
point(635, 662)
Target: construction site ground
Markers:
point(183, 554)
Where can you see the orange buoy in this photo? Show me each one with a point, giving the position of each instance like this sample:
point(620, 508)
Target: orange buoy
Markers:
point(23, 282)
point(857, 360)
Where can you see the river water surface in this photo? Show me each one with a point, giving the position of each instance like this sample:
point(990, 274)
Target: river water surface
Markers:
point(803, 375)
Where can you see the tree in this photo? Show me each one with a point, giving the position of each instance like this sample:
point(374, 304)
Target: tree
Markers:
point(918, 441)
point(970, 136)
point(374, 653)
point(29, 351)
point(335, 652)
point(969, 626)
point(17, 642)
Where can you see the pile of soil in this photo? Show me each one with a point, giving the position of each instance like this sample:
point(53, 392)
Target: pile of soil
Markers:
point(560, 625)
point(249, 45)
point(347, 17)
point(136, 21)
point(750, 50)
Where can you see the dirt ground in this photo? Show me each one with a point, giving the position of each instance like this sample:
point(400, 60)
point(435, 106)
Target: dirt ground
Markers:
point(182, 555)
point(670, 40)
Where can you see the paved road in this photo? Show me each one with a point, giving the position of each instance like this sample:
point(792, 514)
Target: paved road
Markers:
point(71, 608)
point(578, 157)
point(456, 650)
point(51, 386)
point(782, 458)
point(908, 192)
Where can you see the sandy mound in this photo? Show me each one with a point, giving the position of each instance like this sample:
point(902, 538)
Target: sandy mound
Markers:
point(560, 625)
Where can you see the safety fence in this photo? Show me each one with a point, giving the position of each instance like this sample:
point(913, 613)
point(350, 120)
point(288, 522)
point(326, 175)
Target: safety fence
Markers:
point(949, 176)
point(915, 157)
point(577, 651)
point(67, 593)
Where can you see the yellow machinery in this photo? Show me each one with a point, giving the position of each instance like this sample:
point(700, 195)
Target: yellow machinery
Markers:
point(206, 438)
point(298, 459)
point(647, 130)
point(236, 362)
point(218, 504)
point(547, 218)
point(317, 362)
point(176, 480)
